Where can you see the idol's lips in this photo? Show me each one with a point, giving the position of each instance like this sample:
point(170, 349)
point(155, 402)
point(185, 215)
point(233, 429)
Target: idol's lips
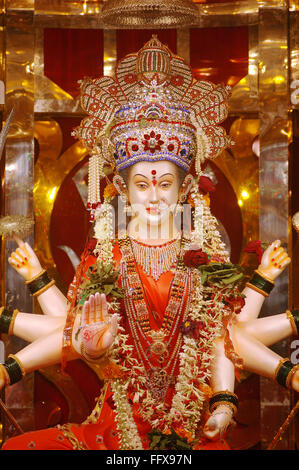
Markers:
point(152, 210)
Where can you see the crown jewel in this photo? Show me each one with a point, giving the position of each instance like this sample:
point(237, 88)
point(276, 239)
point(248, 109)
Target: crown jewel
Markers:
point(153, 110)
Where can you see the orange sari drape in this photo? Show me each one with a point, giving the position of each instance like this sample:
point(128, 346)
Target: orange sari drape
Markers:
point(103, 434)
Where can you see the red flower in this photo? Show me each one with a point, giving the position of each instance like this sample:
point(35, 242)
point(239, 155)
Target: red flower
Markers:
point(193, 258)
point(254, 247)
point(152, 142)
point(236, 303)
point(191, 328)
point(92, 244)
point(205, 185)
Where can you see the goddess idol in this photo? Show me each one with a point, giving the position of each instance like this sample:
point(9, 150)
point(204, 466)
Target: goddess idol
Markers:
point(154, 303)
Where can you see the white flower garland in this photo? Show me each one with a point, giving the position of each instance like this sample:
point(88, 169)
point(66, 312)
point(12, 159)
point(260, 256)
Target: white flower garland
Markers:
point(184, 410)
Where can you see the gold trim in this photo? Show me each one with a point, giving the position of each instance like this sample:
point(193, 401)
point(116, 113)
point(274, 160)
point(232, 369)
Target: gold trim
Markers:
point(19, 363)
point(260, 291)
point(7, 381)
point(35, 277)
point(290, 376)
point(292, 321)
point(98, 408)
point(226, 403)
point(12, 322)
point(264, 276)
point(43, 289)
point(68, 433)
point(282, 361)
point(227, 392)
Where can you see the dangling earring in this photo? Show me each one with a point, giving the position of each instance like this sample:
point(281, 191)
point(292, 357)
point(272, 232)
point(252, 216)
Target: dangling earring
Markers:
point(128, 208)
point(179, 208)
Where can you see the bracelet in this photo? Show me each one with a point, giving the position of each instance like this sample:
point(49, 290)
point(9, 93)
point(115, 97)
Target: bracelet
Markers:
point(14, 368)
point(260, 284)
point(264, 276)
point(293, 316)
point(224, 398)
point(7, 320)
point(40, 283)
point(7, 380)
point(88, 358)
point(284, 372)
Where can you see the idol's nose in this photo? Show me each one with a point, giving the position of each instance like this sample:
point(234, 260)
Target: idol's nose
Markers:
point(154, 197)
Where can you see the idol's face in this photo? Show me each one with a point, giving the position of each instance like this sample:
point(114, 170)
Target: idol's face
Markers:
point(153, 189)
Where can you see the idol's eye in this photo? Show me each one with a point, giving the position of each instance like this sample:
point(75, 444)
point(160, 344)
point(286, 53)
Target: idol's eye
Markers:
point(165, 184)
point(141, 185)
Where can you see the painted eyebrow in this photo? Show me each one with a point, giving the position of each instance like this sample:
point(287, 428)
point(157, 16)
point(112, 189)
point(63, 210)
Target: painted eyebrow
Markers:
point(139, 174)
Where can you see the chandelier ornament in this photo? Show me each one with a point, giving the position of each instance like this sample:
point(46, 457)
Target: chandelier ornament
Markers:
point(149, 13)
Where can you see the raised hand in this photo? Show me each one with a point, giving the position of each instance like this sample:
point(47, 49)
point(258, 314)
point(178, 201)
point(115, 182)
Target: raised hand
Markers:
point(25, 261)
point(98, 328)
point(218, 423)
point(274, 260)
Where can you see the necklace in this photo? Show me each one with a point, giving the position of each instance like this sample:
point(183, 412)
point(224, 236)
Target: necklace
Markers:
point(155, 260)
point(153, 347)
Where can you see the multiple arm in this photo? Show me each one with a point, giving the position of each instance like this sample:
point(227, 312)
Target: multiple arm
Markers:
point(96, 331)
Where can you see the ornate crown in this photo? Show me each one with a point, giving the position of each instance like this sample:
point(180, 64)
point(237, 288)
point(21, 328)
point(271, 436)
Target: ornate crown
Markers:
point(153, 109)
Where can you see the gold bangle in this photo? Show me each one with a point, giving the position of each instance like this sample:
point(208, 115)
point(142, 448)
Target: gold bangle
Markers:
point(43, 289)
point(264, 276)
point(19, 363)
point(260, 291)
point(88, 358)
point(292, 321)
point(230, 405)
point(36, 276)
point(7, 379)
point(13, 318)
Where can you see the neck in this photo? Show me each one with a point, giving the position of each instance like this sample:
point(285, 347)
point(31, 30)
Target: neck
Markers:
point(152, 234)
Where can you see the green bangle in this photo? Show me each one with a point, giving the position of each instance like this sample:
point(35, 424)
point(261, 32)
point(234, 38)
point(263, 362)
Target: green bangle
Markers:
point(220, 398)
point(14, 369)
point(39, 284)
point(261, 283)
point(284, 372)
point(6, 317)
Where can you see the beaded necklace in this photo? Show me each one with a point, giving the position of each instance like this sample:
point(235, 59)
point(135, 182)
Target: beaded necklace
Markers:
point(158, 259)
point(153, 347)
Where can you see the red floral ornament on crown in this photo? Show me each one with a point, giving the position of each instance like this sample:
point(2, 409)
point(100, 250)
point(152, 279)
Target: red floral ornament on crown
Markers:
point(152, 142)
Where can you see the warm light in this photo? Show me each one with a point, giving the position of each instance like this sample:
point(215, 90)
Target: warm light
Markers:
point(244, 194)
point(52, 193)
point(278, 79)
point(240, 202)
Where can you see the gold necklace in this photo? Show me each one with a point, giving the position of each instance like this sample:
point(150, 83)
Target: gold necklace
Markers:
point(157, 259)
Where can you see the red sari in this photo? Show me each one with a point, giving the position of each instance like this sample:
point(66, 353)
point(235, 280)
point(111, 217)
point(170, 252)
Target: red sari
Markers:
point(99, 431)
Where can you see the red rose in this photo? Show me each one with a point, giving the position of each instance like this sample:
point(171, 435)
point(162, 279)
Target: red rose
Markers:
point(254, 247)
point(193, 258)
point(205, 185)
point(236, 303)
